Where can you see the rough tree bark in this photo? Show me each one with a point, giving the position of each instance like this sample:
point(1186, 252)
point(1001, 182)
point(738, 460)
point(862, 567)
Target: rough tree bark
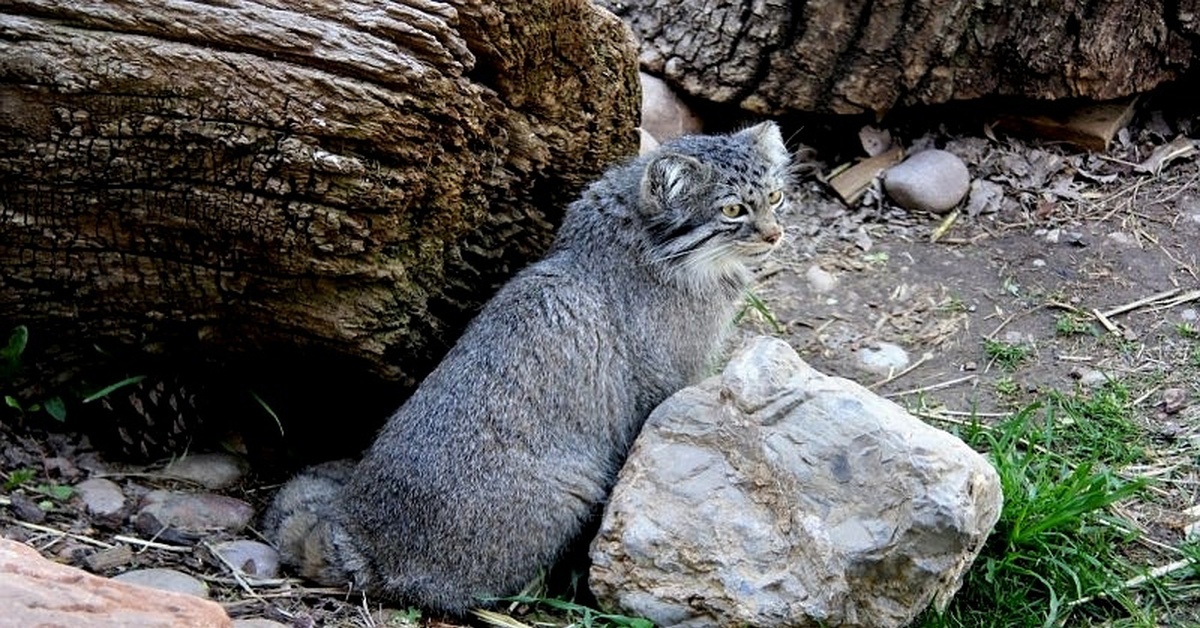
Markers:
point(835, 56)
point(342, 180)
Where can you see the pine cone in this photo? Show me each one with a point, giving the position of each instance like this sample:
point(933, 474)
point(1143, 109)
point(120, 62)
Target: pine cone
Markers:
point(157, 417)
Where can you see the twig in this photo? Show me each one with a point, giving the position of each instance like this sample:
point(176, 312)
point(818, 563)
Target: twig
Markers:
point(895, 376)
point(1112, 329)
point(1136, 581)
point(987, 428)
point(1137, 402)
point(946, 384)
point(1179, 300)
point(234, 571)
point(133, 540)
point(1133, 305)
point(985, 415)
point(75, 537)
point(1004, 323)
point(258, 582)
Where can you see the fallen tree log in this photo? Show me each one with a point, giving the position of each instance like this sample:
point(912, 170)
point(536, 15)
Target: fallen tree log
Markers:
point(335, 183)
point(829, 56)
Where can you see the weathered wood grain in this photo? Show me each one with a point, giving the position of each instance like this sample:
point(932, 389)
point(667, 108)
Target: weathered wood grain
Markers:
point(342, 179)
point(834, 56)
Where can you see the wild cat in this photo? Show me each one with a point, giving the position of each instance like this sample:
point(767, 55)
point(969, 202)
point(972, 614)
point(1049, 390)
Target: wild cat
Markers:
point(506, 452)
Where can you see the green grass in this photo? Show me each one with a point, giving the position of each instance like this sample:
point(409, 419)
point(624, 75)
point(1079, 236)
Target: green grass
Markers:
point(1007, 387)
point(755, 304)
point(1056, 555)
point(1095, 425)
point(1074, 325)
point(544, 612)
point(1187, 330)
point(1006, 355)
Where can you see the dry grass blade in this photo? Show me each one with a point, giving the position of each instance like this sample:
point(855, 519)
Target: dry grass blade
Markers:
point(497, 619)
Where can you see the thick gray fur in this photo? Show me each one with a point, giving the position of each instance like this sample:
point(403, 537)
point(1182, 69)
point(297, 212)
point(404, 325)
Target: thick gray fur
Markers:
point(507, 451)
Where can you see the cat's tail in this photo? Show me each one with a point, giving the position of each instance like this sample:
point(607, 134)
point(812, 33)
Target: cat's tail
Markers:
point(304, 522)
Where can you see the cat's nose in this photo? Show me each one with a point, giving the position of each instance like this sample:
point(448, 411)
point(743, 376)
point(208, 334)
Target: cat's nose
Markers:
point(772, 234)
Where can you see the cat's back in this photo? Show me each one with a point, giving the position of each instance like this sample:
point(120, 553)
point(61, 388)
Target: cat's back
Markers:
point(544, 355)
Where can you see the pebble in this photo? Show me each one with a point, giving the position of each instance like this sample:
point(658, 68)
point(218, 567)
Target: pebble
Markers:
point(1173, 400)
point(1074, 238)
point(186, 515)
point(165, 580)
point(25, 509)
point(212, 471)
point(1014, 337)
point(251, 557)
point(820, 280)
point(1121, 238)
point(1093, 378)
point(1189, 315)
point(101, 498)
point(884, 358)
point(931, 180)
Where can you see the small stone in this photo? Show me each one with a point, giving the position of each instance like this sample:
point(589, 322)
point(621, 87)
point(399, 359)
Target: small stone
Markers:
point(165, 580)
point(38, 592)
point(251, 557)
point(1074, 238)
point(101, 498)
point(820, 280)
point(931, 180)
point(664, 115)
point(883, 358)
point(25, 509)
point(1173, 400)
point(1093, 378)
point(192, 515)
point(1038, 263)
point(1121, 238)
point(1189, 315)
point(212, 471)
point(1014, 337)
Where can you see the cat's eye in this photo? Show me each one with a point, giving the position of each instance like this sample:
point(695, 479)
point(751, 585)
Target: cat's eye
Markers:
point(734, 210)
point(774, 198)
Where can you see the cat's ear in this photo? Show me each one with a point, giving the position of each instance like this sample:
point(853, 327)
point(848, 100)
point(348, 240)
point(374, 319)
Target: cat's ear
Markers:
point(768, 141)
point(668, 179)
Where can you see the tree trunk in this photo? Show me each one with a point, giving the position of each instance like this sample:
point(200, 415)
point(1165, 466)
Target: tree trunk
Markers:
point(834, 56)
point(339, 181)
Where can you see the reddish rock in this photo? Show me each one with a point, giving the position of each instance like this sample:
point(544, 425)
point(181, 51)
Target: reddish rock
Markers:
point(37, 592)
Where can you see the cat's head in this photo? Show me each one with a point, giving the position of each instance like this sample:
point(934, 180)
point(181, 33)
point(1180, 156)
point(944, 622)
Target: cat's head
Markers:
point(709, 204)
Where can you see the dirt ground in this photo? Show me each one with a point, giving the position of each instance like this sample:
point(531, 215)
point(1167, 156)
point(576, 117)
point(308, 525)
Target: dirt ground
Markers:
point(1089, 262)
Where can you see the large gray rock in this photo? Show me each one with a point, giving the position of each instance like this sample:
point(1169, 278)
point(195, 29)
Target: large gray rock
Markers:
point(773, 495)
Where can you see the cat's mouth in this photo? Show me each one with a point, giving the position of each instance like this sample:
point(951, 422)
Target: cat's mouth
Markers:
point(756, 251)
